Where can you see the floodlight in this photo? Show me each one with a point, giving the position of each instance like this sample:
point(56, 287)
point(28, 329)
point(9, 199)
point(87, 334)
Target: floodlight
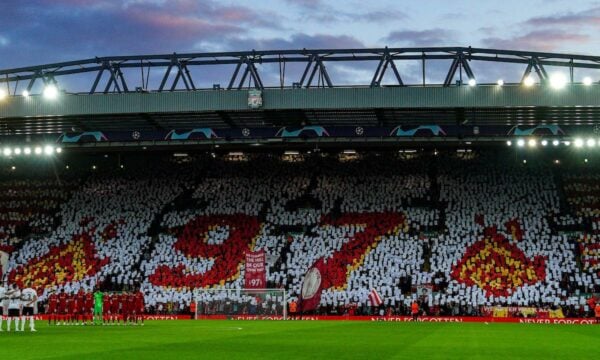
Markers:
point(521, 143)
point(50, 92)
point(528, 81)
point(591, 142)
point(17, 151)
point(25, 93)
point(555, 142)
point(7, 151)
point(509, 143)
point(48, 150)
point(532, 143)
point(472, 82)
point(587, 81)
point(500, 82)
point(578, 142)
point(558, 80)
point(27, 151)
point(38, 150)
point(544, 142)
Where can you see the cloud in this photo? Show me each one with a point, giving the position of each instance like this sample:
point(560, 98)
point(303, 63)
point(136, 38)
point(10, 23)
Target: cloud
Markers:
point(436, 37)
point(542, 40)
point(583, 18)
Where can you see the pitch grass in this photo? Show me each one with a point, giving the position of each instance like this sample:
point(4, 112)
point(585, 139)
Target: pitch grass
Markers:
point(304, 340)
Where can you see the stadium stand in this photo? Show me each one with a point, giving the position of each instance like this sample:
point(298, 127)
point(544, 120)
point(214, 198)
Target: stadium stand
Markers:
point(458, 233)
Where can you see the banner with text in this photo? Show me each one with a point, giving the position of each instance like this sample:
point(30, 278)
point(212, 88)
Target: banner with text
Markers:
point(255, 274)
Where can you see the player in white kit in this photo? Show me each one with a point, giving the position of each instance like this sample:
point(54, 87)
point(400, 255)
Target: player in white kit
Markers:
point(14, 306)
point(29, 300)
point(3, 305)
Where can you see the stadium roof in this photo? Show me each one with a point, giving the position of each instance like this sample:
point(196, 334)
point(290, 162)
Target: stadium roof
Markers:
point(113, 102)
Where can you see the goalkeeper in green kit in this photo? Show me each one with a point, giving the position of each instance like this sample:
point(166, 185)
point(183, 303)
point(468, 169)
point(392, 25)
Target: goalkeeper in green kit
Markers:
point(98, 300)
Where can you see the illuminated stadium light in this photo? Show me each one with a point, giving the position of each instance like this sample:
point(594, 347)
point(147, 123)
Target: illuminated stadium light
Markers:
point(27, 151)
point(532, 143)
point(587, 81)
point(349, 152)
point(50, 92)
point(13, 168)
point(585, 160)
point(48, 150)
point(578, 143)
point(524, 161)
point(25, 93)
point(93, 167)
point(544, 142)
point(37, 150)
point(521, 143)
point(557, 161)
point(591, 142)
point(58, 150)
point(7, 151)
point(3, 94)
point(567, 143)
point(528, 81)
point(555, 142)
point(122, 166)
point(67, 167)
point(17, 151)
point(500, 82)
point(291, 152)
point(472, 82)
point(509, 143)
point(558, 80)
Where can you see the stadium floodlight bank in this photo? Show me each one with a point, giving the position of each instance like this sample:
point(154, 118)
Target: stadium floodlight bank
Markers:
point(261, 303)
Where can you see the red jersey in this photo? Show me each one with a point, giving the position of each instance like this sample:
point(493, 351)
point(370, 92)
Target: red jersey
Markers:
point(114, 304)
point(52, 304)
point(139, 303)
point(62, 302)
point(106, 303)
point(72, 302)
point(89, 302)
point(81, 303)
point(130, 303)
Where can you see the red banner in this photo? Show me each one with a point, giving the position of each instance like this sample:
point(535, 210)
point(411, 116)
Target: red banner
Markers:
point(255, 274)
point(312, 285)
point(437, 319)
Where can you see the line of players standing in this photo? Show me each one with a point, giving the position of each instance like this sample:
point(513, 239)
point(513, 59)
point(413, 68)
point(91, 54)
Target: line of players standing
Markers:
point(98, 308)
point(17, 306)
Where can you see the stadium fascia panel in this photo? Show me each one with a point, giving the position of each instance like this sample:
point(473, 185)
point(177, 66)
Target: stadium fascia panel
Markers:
point(576, 96)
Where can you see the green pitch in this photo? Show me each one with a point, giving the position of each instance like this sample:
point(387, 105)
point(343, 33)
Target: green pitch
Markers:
point(304, 340)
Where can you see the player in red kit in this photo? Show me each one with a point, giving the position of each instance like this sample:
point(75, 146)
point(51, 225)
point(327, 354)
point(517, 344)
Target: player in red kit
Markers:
point(139, 307)
point(73, 309)
point(80, 307)
point(115, 307)
point(62, 307)
point(52, 308)
point(106, 309)
point(89, 306)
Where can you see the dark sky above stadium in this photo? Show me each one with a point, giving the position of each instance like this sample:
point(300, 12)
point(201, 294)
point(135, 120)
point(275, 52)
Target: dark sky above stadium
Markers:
point(41, 31)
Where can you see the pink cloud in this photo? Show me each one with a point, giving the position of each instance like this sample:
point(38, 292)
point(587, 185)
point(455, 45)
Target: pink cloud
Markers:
point(542, 40)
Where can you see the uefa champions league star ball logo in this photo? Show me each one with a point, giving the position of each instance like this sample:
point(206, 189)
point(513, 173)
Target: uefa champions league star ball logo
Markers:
point(312, 283)
point(359, 130)
point(136, 135)
point(246, 132)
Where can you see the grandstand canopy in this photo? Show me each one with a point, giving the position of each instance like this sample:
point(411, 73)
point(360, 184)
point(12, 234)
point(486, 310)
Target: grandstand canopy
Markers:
point(119, 94)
